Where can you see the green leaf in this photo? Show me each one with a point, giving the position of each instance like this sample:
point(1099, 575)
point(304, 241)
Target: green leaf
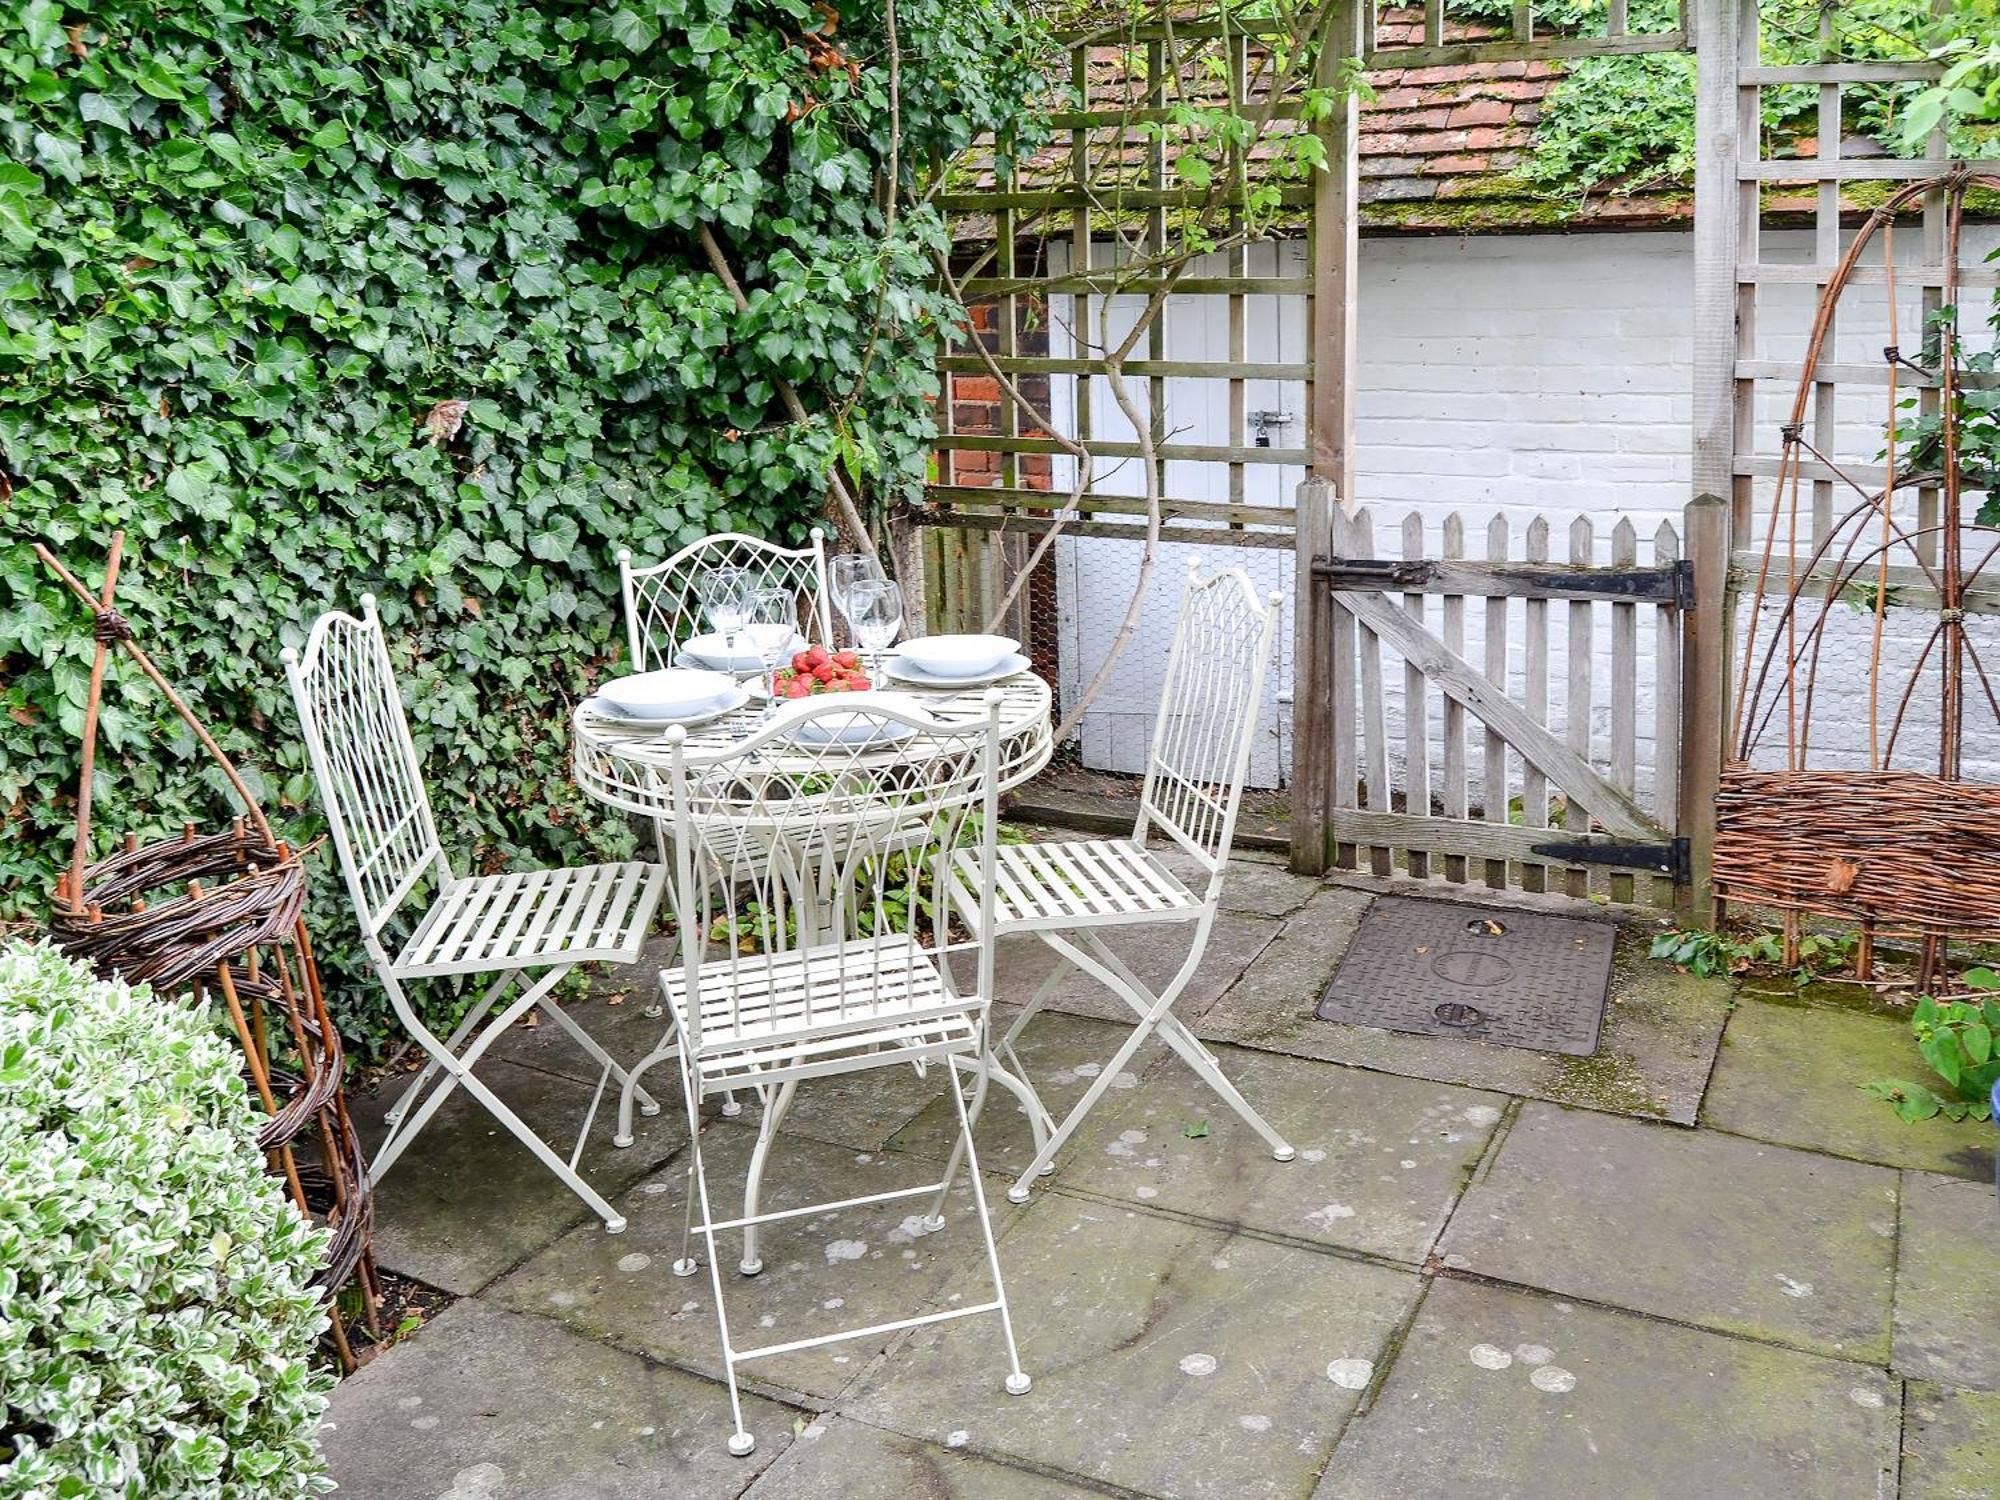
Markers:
point(1197, 1131)
point(633, 31)
point(61, 156)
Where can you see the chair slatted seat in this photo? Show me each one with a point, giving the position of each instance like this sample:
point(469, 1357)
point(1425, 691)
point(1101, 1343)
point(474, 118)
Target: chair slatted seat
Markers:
point(598, 912)
point(1074, 882)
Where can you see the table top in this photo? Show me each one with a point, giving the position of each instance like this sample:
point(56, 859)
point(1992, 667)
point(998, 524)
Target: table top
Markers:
point(622, 764)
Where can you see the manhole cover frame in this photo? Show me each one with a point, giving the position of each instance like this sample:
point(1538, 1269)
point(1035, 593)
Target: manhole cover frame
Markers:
point(1506, 976)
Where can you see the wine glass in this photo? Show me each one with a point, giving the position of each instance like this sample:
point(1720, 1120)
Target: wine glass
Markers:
point(875, 611)
point(845, 570)
point(725, 598)
point(772, 624)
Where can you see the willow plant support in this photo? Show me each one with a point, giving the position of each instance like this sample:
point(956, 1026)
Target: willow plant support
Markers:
point(221, 916)
point(1896, 848)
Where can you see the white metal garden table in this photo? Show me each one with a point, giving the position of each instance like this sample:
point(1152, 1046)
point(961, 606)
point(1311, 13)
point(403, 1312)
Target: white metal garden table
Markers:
point(623, 764)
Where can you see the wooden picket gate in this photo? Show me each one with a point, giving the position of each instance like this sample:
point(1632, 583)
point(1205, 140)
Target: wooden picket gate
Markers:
point(1478, 783)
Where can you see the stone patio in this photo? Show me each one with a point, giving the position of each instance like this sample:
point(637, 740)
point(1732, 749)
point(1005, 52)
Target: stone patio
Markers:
point(1702, 1264)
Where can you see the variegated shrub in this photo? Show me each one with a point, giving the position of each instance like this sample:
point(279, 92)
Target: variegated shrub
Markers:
point(156, 1326)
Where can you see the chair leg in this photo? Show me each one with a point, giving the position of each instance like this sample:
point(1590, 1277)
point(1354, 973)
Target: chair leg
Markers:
point(934, 1220)
point(1037, 1000)
point(1018, 1193)
point(1017, 1381)
point(1174, 1032)
point(429, 1070)
point(775, 1107)
point(648, 1105)
point(458, 1069)
point(669, 1047)
point(741, 1441)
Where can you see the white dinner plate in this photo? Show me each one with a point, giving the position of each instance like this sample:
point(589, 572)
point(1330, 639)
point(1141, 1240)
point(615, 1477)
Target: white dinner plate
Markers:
point(672, 694)
point(915, 676)
point(714, 653)
point(959, 657)
point(707, 714)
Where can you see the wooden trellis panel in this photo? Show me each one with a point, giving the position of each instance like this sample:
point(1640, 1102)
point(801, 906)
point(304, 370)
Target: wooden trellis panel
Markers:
point(1828, 176)
point(1111, 167)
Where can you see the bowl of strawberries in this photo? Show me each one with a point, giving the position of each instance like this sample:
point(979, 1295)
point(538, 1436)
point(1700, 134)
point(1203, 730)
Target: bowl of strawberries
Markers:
point(817, 670)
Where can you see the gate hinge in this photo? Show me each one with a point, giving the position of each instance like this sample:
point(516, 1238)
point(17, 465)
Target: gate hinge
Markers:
point(1684, 585)
point(1674, 859)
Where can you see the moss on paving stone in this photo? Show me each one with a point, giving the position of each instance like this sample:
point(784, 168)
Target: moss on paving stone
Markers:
point(489, 1405)
point(834, 1457)
point(1658, 1041)
point(1763, 1241)
point(1951, 1443)
point(1499, 1392)
point(1794, 1075)
point(1948, 1282)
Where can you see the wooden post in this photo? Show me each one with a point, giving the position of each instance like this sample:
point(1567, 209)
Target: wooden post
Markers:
point(1706, 536)
point(1330, 443)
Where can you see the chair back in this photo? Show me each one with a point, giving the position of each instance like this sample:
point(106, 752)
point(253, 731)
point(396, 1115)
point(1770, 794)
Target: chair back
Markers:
point(365, 763)
point(819, 873)
point(663, 602)
point(1208, 716)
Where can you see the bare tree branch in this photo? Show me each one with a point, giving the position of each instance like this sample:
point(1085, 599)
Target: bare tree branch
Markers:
point(846, 516)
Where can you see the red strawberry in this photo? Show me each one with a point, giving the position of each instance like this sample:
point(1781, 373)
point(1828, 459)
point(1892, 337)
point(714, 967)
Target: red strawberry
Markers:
point(816, 655)
point(802, 661)
point(848, 659)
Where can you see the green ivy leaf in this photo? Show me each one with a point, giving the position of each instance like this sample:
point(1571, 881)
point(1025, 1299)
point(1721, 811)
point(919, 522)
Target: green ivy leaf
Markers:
point(633, 31)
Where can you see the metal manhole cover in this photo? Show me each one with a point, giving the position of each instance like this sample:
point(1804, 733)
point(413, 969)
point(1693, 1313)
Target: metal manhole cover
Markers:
point(1439, 968)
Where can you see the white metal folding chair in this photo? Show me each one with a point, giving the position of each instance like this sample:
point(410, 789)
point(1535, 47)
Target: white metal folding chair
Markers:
point(358, 741)
point(1069, 893)
point(663, 602)
point(815, 874)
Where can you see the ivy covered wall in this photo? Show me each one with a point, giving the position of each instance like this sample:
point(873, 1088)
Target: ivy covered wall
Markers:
point(253, 255)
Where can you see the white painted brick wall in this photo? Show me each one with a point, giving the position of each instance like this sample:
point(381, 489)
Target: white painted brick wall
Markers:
point(1527, 374)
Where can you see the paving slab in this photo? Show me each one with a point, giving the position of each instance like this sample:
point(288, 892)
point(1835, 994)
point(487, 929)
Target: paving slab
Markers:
point(1167, 1357)
point(836, 1457)
point(1063, 1055)
point(1794, 1073)
point(1261, 887)
point(1154, 952)
point(1380, 1159)
point(845, 1270)
point(1951, 1443)
point(1948, 1283)
point(1702, 1228)
point(1653, 1059)
point(1502, 1393)
point(467, 1201)
point(489, 1405)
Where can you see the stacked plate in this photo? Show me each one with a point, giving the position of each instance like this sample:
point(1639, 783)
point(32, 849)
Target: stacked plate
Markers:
point(737, 653)
point(675, 696)
point(956, 660)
